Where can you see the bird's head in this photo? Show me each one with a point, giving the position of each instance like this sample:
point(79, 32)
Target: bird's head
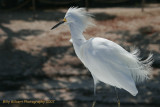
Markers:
point(76, 17)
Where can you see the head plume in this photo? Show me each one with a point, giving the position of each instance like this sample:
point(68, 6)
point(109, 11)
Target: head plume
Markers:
point(78, 17)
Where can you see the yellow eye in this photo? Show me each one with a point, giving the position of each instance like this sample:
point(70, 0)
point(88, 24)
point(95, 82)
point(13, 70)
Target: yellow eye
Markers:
point(65, 19)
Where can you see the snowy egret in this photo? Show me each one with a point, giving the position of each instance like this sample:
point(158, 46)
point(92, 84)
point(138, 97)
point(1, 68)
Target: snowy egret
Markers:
point(107, 61)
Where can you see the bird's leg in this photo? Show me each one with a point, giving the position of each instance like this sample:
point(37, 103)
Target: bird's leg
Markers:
point(94, 102)
point(118, 101)
point(95, 84)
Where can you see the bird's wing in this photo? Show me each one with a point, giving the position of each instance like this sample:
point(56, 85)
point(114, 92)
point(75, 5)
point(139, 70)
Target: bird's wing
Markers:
point(108, 62)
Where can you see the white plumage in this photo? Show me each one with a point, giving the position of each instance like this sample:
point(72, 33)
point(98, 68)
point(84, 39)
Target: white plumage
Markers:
point(107, 61)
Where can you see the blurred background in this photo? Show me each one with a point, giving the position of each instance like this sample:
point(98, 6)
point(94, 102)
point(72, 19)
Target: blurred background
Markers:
point(39, 64)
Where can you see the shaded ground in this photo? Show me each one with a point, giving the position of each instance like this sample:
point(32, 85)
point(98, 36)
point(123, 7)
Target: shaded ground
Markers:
point(36, 63)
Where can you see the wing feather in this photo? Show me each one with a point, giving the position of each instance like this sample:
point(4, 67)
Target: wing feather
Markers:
point(113, 65)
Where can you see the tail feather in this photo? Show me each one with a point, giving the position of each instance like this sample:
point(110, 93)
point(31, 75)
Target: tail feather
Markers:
point(142, 68)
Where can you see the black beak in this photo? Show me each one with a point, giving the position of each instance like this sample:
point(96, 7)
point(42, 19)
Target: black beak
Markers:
point(57, 25)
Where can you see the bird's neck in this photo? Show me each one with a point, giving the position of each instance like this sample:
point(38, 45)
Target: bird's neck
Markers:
point(77, 36)
point(77, 39)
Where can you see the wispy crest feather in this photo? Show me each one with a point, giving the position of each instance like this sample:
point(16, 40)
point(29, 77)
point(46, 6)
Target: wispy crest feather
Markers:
point(81, 15)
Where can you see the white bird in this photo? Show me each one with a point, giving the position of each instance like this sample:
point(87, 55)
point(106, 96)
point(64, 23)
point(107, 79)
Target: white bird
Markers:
point(107, 61)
